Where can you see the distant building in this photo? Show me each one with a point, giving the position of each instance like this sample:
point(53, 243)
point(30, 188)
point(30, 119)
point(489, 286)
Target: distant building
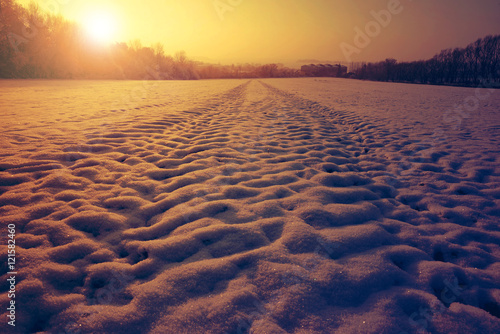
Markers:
point(324, 70)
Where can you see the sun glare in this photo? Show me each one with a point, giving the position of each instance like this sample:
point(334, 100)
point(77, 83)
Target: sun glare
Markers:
point(101, 27)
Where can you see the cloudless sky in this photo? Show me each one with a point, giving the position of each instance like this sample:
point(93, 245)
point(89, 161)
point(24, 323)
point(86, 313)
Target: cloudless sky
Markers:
point(288, 30)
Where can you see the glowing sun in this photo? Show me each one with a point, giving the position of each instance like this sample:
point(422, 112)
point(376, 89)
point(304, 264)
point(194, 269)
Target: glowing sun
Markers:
point(101, 27)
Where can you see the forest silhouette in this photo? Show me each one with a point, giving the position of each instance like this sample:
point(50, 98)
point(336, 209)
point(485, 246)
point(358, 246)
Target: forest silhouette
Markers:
point(39, 45)
point(477, 63)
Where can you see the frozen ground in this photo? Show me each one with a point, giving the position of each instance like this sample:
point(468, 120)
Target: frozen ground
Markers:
point(271, 206)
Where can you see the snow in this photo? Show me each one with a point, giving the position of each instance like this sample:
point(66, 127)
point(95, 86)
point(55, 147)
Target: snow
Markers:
point(266, 206)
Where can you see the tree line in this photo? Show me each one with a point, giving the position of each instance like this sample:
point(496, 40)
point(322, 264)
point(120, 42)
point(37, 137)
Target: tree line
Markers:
point(37, 44)
point(477, 63)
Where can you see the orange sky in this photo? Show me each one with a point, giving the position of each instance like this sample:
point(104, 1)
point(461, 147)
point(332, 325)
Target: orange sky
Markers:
point(288, 30)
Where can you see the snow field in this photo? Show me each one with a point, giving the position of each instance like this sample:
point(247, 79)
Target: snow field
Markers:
point(279, 206)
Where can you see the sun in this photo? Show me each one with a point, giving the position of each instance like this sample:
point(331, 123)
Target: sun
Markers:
point(101, 27)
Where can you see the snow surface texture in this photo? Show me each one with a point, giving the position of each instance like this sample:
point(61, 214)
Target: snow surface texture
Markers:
point(272, 206)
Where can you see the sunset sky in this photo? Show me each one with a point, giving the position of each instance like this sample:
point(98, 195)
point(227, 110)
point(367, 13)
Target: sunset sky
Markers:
point(285, 31)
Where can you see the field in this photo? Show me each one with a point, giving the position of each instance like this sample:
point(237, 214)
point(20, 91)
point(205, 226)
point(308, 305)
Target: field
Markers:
point(249, 206)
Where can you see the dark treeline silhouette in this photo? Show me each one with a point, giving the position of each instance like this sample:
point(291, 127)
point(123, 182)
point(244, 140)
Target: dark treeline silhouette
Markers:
point(324, 70)
point(36, 44)
point(477, 63)
point(209, 71)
